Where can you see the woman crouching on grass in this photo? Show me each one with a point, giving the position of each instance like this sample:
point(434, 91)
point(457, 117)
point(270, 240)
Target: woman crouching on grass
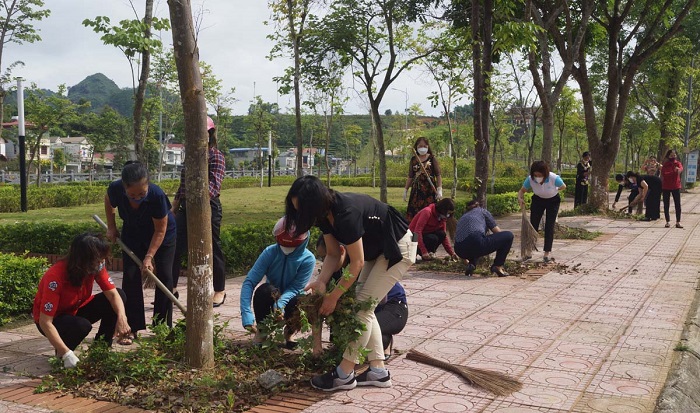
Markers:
point(377, 240)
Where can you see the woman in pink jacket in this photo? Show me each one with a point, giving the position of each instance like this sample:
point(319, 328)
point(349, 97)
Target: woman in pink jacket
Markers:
point(671, 185)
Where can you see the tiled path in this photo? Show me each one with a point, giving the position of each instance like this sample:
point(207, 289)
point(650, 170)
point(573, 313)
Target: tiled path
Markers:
point(599, 339)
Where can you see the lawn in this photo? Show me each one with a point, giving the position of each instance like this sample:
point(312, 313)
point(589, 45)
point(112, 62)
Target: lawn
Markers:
point(241, 205)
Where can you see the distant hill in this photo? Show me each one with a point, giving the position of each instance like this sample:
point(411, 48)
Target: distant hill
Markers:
point(101, 91)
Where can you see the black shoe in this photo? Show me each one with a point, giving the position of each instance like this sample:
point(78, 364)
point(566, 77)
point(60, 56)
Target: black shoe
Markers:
point(470, 269)
point(391, 350)
point(291, 345)
point(646, 219)
point(371, 378)
point(220, 302)
point(331, 382)
point(498, 272)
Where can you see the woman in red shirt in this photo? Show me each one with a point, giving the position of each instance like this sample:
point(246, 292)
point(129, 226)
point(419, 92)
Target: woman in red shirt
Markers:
point(429, 225)
point(64, 307)
point(671, 185)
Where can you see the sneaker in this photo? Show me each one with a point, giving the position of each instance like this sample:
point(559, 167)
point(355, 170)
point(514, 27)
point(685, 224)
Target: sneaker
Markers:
point(372, 378)
point(331, 382)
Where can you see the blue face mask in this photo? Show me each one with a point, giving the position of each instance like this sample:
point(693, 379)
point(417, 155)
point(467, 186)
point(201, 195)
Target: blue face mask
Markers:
point(138, 201)
point(100, 267)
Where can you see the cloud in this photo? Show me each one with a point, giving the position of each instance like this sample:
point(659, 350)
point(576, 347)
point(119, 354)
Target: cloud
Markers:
point(232, 39)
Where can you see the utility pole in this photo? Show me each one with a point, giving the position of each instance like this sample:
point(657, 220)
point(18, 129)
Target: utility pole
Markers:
point(22, 147)
point(686, 134)
point(405, 92)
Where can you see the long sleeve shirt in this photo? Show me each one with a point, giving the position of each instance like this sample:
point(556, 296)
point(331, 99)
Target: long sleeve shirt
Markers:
point(216, 172)
point(427, 221)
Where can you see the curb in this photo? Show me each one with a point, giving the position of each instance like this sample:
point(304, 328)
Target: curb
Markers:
point(681, 392)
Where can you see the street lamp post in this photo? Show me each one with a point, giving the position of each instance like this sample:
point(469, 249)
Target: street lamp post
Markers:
point(405, 92)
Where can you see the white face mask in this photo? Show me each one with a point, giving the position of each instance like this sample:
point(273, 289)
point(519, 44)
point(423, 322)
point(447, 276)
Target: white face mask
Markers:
point(539, 179)
point(287, 250)
point(422, 150)
point(631, 180)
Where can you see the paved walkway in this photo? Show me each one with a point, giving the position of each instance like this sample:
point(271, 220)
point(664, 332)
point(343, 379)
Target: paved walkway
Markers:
point(598, 337)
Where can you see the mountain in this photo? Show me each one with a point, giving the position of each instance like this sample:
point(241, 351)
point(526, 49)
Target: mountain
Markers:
point(101, 91)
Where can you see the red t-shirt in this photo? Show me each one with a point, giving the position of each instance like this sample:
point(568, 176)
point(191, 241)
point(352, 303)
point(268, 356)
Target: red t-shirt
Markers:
point(56, 296)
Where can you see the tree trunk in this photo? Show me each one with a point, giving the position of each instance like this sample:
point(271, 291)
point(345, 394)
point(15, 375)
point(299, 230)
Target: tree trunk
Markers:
point(199, 348)
point(547, 132)
point(329, 126)
point(295, 38)
point(139, 137)
point(481, 49)
point(380, 150)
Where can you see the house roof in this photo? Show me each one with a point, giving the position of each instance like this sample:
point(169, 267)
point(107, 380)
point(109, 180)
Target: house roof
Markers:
point(14, 123)
point(75, 139)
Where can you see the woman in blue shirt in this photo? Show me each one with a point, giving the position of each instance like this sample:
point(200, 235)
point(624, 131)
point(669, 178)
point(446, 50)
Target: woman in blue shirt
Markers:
point(546, 186)
point(148, 229)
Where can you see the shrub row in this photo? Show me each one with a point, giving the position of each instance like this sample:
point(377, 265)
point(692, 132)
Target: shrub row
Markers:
point(19, 277)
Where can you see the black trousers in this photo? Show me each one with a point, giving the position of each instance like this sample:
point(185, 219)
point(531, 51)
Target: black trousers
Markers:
point(432, 240)
point(537, 209)
point(652, 203)
point(264, 300)
point(181, 249)
point(74, 328)
point(133, 287)
point(475, 247)
point(580, 194)
point(392, 318)
point(676, 203)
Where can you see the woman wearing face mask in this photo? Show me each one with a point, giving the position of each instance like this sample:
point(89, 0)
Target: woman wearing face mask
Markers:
point(429, 225)
point(64, 307)
point(583, 170)
point(671, 185)
point(287, 266)
point(148, 229)
point(546, 186)
point(423, 170)
point(641, 187)
point(471, 241)
point(626, 183)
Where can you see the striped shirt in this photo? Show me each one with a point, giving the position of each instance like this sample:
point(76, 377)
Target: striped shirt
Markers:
point(473, 223)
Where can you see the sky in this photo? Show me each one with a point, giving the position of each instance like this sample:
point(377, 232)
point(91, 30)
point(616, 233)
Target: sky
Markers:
point(232, 40)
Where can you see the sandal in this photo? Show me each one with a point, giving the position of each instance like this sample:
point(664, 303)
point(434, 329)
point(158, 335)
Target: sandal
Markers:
point(126, 340)
point(668, 225)
point(678, 225)
point(547, 259)
point(500, 273)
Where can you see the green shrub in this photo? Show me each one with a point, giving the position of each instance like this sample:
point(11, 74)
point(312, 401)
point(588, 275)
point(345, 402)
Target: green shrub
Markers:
point(19, 277)
point(42, 238)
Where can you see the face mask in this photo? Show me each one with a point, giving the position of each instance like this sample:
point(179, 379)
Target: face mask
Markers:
point(138, 201)
point(442, 217)
point(287, 250)
point(422, 151)
point(631, 180)
point(539, 179)
point(100, 267)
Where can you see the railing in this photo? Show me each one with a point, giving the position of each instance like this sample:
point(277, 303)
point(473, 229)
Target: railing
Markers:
point(11, 177)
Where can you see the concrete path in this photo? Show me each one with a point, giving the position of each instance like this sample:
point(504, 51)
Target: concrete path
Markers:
point(599, 338)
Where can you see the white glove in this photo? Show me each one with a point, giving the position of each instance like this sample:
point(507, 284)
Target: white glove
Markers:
point(405, 194)
point(439, 192)
point(70, 360)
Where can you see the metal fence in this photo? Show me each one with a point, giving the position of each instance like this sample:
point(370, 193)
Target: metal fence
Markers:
point(12, 177)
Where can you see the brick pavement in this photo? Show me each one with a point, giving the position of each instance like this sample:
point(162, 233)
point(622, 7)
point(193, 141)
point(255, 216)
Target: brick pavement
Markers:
point(598, 340)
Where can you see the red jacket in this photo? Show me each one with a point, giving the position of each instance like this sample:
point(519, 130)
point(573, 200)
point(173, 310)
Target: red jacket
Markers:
point(670, 179)
point(425, 222)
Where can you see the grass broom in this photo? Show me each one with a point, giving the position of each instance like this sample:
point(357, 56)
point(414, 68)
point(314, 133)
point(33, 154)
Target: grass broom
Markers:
point(528, 237)
point(493, 382)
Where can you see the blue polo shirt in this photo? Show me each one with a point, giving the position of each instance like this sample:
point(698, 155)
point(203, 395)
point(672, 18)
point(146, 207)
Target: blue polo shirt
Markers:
point(138, 223)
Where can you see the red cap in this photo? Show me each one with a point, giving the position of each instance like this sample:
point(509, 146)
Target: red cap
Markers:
point(210, 123)
point(287, 239)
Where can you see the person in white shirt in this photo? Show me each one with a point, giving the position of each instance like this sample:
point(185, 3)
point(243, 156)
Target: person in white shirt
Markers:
point(546, 186)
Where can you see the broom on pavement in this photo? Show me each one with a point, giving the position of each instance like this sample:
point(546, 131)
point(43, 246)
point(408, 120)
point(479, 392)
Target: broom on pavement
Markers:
point(528, 237)
point(493, 382)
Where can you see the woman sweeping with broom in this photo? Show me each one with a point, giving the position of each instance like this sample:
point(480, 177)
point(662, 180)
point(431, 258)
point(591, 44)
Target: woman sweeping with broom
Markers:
point(149, 231)
point(378, 241)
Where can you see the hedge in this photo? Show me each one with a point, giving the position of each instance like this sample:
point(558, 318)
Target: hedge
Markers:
point(19, 277)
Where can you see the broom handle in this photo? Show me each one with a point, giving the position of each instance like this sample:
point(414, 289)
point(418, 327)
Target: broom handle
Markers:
point(430, 181)
point(138, 262)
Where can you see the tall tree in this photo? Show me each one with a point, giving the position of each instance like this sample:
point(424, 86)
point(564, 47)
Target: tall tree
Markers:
point(565, 24)
point(377, 38)
point(634, 31)
point(446, 65)
point(134, 38)
point(16, 26)
point(199, 349)
point(290, 17)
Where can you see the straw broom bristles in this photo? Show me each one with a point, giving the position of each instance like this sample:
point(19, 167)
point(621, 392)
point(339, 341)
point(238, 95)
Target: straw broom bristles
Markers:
point(528, 237)
point(493, 382)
